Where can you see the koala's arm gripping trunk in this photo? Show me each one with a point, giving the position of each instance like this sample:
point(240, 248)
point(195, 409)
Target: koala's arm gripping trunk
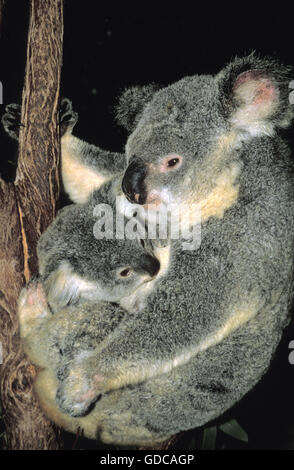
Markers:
point(86, 167)
point(27, 207)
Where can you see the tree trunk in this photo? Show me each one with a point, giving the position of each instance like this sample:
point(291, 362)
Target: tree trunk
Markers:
point(27, 207)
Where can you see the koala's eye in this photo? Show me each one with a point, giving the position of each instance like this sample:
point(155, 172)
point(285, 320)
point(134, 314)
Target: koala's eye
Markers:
point(173, 162)
point(125, 272)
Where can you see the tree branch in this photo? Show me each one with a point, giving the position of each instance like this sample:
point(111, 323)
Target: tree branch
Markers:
point(27, 207)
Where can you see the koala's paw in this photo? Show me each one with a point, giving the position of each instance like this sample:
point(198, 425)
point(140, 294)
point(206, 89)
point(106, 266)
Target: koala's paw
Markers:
point(11, 120)
point(32, 307)
point(76, 394)
point(68, 117)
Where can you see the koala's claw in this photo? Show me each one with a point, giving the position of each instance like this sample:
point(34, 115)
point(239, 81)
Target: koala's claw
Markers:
point(11, 120)
point(75, 398)
point(33, 295)
point(68, 117)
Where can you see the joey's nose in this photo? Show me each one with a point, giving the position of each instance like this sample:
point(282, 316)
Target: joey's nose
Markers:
point(150, 264)
point(133, 184)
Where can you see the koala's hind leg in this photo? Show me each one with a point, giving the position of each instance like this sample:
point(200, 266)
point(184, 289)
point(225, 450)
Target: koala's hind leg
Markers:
point(32, 307)
point(33, 314)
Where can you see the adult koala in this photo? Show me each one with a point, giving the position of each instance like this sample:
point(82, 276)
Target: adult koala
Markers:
point(213, 142)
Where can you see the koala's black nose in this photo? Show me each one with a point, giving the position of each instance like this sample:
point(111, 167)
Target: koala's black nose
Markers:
point(133, 184)
point(150, 264)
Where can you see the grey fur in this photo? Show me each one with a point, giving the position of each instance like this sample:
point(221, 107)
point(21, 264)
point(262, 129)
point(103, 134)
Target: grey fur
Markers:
point(152, 387)
point(112, 269)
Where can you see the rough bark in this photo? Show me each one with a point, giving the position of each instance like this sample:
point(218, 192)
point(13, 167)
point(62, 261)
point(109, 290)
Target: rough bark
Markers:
point(27, 206)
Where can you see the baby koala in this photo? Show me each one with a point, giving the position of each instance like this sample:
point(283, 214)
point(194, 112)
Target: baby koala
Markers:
point(61, 344)
point(90, 282)
point(81, 257)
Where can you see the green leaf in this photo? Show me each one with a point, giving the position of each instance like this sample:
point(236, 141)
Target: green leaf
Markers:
point(233, 428)
point(209, 438)
point(193, 440)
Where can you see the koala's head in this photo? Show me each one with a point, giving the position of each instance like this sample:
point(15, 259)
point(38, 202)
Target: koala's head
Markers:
point(117, 268)
point(184, 136)
point(90, 268)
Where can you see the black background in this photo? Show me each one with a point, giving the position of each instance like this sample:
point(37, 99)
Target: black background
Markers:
point(105, 50)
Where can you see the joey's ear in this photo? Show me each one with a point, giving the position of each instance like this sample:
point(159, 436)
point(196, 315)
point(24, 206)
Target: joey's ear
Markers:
point(254, 94)
point(64, 287)
point(131, 104)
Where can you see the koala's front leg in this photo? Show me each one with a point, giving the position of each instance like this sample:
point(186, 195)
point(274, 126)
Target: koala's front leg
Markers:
point(80, 333)
point(107, 372)
point(85, 167)
point(79, 385)
point(190, 395)
point(67, 117)
point(11, 120)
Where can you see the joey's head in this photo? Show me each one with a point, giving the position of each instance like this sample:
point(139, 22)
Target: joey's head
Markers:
point(122, 267)
point(186, 137)
point(91, 251)
point(111, 271)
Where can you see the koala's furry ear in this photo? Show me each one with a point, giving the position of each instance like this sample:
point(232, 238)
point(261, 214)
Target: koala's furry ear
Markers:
point(254, 94)
point(131, 104)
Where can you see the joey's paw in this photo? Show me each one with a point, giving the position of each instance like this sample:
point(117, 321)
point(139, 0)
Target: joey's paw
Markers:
point(11, 120)
point(32, 306)
point(76, 394)
point(68, 117)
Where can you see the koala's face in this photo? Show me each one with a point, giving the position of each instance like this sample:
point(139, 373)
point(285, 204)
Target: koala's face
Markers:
point(166, 151)
point(111, 270)
point(124, 265)
point(184, 145)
